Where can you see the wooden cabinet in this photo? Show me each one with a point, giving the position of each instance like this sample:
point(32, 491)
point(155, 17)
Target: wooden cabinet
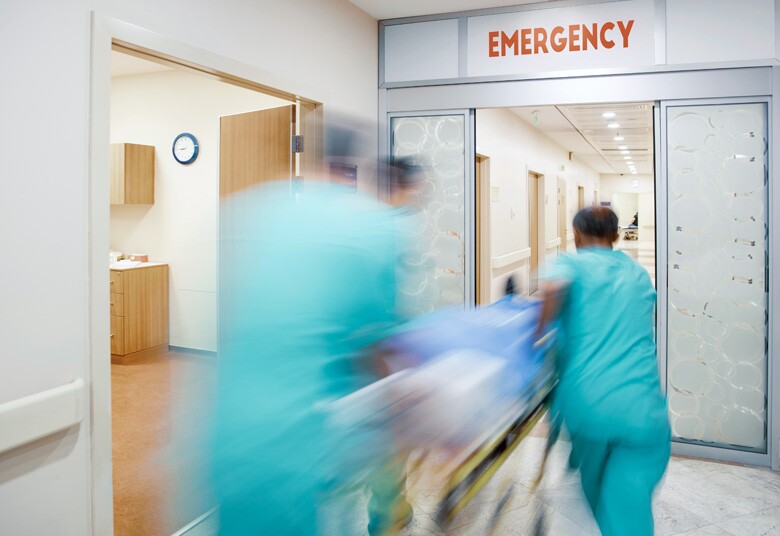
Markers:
point(139, 311)
point(132, 174)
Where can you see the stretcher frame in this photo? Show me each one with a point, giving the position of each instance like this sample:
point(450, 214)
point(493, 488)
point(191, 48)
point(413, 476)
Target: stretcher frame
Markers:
point(470, 472)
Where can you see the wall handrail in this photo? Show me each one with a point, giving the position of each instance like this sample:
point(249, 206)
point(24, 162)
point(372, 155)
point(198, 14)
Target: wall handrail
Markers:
point(502, 261)
point(33, 417)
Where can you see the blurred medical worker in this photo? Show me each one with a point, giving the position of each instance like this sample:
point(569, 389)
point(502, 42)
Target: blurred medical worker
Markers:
point(609, 395)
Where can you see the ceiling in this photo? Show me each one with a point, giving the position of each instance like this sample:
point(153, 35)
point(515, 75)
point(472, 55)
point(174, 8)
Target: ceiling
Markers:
point(384, 9)
point(124, 65)
point(584, 131)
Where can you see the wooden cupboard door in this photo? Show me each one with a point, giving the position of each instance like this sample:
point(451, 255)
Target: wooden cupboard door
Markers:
point(117, 174)
point(117, 304)
point(117, 281)
point(117, 335)
point(132, 174)
point(146, 308)
point(255, 147)
point(139, 174)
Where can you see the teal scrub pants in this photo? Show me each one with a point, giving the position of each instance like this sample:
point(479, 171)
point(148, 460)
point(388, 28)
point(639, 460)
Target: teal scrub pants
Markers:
point(618, 480)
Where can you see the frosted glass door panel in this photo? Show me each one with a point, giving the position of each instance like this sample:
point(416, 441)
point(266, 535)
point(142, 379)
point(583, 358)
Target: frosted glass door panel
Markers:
point(717, 315)
point(436, 276)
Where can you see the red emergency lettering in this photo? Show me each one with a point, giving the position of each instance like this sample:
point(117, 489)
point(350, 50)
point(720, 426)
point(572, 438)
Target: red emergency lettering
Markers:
point(540, 40)
point(508, 42)
point(574, 37)
point(557, 39)
point(607, 43)
point(625, 30)
point(561, 39)
point(525, 41)
point(590, 36)
point(493, 44)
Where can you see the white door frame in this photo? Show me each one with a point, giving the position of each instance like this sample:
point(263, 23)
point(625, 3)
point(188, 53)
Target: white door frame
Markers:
point(107, 31)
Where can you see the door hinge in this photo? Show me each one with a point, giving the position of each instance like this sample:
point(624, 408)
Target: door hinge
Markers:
point(297, 144)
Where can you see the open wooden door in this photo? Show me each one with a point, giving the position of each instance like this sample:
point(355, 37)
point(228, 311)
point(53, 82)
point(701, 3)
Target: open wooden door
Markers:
point(534, 196)
point(255, 147)
point(482, 234)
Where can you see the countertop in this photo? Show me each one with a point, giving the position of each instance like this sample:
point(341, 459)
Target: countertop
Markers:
point(118, 266)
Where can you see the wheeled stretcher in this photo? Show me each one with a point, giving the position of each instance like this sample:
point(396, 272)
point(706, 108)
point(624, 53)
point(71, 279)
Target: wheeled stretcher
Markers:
point(471, 384)
point(477, 464)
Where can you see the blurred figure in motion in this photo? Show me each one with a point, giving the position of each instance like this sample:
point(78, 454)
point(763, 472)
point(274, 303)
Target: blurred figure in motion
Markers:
point(609, 393)
point(311, 285)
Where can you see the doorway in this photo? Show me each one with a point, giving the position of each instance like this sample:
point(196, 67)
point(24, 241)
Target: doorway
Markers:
point(675, 117)
point(156, 489)
point(482, 234)
point(535, 227)
point(562, 215)
point(580, 197)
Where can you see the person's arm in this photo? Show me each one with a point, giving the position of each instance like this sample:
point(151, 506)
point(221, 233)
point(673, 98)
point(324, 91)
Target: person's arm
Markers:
point(553, 293)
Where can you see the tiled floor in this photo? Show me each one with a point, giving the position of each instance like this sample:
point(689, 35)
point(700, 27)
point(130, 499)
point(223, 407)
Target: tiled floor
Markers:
point(696, 498)
point(643, 252)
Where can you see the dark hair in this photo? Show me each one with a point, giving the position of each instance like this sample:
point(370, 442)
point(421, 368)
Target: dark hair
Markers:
point(404, 172)
point(597, 222)
point(344, 138)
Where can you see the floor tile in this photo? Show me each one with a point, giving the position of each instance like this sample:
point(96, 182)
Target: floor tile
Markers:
point(765, 523)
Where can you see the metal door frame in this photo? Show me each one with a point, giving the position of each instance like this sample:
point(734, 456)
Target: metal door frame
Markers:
point(469, 172)
point(681, 447)
point(753, 83)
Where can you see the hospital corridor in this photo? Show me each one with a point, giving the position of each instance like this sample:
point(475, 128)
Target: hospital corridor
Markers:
point(440, 268)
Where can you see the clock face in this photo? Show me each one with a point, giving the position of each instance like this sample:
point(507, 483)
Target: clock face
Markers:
point(185, 148)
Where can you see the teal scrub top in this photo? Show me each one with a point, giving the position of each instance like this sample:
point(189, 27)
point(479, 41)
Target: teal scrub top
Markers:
point(308, 281)
point(609, 382)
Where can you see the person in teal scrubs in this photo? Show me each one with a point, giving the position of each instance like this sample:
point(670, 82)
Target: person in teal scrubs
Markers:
point(609, 394)
point(308, 285)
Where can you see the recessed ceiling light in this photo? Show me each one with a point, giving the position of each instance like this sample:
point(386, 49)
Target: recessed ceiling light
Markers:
point(630, 163)
point(613, 125)
point(626, 158)
point(608, 115)
point(633, 172)
point(618, 138)
point(624, 152)
point(622, 147)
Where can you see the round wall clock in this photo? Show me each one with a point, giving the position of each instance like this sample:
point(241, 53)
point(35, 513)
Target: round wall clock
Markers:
point(185, 148)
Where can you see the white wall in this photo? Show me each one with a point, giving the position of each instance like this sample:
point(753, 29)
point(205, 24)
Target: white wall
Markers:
point(645, 199)
point(514, 148)
point(703, 31)
point(181, 227)
point(625, 206)
point(44, 210)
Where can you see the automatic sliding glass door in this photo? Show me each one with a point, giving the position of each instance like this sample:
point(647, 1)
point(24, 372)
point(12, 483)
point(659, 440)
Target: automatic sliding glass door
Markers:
point(441, 264)
point(716, 168)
